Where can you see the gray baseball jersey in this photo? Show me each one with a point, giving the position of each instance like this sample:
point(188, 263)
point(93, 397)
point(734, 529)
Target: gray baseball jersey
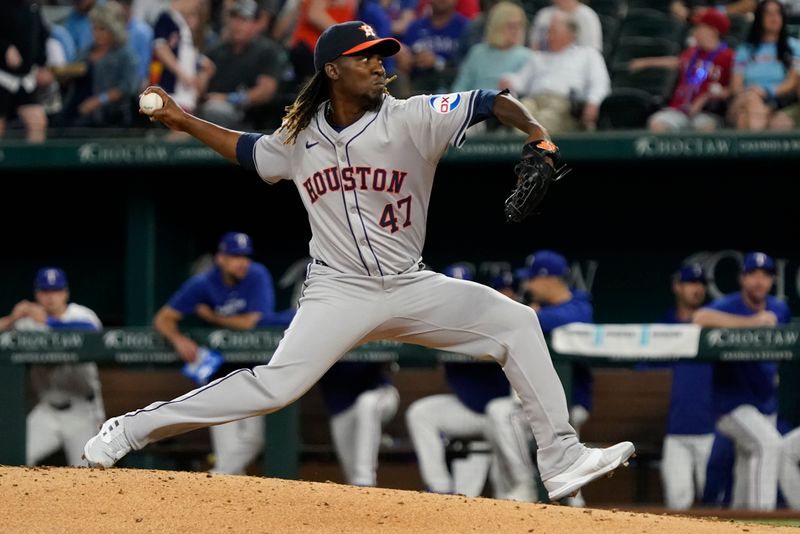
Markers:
point(358, 179)
point(366, 189)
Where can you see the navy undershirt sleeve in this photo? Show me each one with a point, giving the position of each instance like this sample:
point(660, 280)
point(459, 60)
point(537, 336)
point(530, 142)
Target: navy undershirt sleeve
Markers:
point(245, 150)
point(484, 103)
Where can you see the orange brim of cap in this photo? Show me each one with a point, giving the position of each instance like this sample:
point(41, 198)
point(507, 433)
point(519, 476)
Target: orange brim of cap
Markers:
point(388, 45)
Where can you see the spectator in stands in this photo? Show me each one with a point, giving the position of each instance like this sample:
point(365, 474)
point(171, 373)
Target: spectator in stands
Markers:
point(502, 50)
point(430, 47)
point(765, 75)
point(377, 15)
point(690, 424)
point(140, 38)
point(238, 294)
point(176, 60)
point(66, 48)
point(588, 31)
point(79, 26)
point(745, 393)
point(103, 95)
point(702, 89)
point(248, 68)
point(360, 399)
point(23, 53)
point(556, 304)
point(285, 22)
point(400, 14)
point(469, 8)
point(314, 16)
point(457, 415)
point(563, 86)
point(70, 405)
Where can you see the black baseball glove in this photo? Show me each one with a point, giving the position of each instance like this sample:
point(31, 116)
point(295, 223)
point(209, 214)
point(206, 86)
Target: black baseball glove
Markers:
point(534, 176)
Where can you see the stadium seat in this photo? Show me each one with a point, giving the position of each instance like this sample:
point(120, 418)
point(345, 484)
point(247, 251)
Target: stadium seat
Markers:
point(658, 5)
point(652, 23)
point(740, 25)
point(532, 6)
point(629, 48)
point(626, 108)
point(612, 8)
point(610, 28)
point(658, 81)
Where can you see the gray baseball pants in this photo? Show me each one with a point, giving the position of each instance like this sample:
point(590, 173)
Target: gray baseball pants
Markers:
point(340, 311)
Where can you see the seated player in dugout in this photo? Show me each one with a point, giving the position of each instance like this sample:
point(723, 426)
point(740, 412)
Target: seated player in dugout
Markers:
point(360, 399)
point(70, 404)
point(237, 293)
point(363, 163)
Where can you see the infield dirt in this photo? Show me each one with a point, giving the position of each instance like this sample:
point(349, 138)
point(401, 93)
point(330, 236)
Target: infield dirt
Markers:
point(81, 500)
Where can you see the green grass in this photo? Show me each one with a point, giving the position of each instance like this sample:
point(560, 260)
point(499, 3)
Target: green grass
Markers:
point(774, 522)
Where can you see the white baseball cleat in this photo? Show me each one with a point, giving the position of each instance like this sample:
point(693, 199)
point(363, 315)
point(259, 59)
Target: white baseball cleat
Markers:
point(108, 446)
point(592, 464)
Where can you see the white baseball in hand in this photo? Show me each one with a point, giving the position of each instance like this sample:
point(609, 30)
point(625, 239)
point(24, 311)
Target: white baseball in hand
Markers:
point(150, 102)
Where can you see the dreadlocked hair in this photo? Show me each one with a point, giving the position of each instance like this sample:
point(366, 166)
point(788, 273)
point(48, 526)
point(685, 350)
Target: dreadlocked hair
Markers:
point(299, 114)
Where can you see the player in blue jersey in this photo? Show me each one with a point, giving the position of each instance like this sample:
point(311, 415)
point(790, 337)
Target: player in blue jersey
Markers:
point(745, 394)
point(457, 415)
point(70, 406)
point(360, 399)
point(556, 305)
point(690, 424)
point(238, 294)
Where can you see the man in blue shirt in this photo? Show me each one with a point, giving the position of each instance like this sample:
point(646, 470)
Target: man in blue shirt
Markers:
point(690, 424)
point(745, 394)
point(555, 305)
point(238, 294)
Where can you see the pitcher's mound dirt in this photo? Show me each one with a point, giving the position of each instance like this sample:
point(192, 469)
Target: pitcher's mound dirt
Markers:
point(136, 500)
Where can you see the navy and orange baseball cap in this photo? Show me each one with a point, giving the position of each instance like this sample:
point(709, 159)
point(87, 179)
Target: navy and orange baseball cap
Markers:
point(50, 279)
point(236, 244)
point(350, 38)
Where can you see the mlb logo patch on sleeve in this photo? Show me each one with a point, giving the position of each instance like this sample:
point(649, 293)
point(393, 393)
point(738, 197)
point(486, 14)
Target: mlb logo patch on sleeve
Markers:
point(445, 103)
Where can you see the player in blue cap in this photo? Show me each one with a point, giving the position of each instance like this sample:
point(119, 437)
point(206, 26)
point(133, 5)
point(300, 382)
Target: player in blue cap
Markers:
point(70, 404)
point(745, 394)
point(237, 293)
point(690, 424)
point(458, 415)
point(556, 304)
